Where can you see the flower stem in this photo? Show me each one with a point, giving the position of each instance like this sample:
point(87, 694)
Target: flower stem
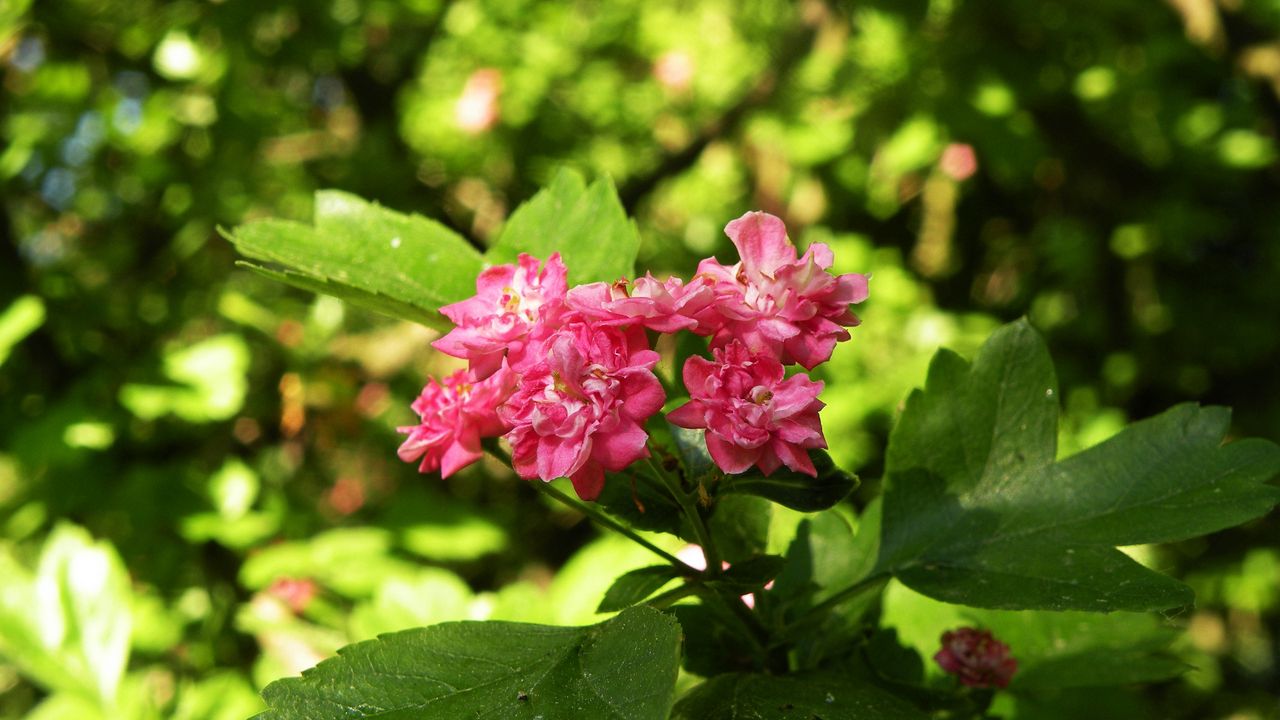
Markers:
point(690, 508)
point(599, 517)
point(817, 612)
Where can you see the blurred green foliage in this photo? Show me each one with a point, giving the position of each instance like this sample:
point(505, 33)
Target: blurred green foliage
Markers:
point(1107, 168)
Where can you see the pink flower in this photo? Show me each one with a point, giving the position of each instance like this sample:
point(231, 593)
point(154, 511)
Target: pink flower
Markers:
point(477, 108)
point(958, 161)
point(514, 306)
point(294, 592)
point(751, 414)
point(666, 307)
point(774, 302)
point(580, 407)
point(674, 70)
point(455, 416)
point(976, 657)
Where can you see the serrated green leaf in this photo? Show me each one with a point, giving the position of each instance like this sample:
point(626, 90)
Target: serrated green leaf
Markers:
point(977, 512)
point(635, 586)
point(1053, 649)
point(624, 669)
point(406, 266)
point(586, 224)
point(797, 490)
point(829, 696)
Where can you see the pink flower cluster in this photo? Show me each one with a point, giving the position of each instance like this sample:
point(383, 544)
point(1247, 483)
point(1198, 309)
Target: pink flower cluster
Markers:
point(566, 375)
point(976, 657)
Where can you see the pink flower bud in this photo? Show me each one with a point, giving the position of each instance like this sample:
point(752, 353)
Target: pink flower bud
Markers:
point(477, 108)
point(976, 657)
point(958, 161)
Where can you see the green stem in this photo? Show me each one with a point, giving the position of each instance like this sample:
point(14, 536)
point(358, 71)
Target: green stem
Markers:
point(816, 612)
point(664, 600)
point(691, 510)
point(551, 491)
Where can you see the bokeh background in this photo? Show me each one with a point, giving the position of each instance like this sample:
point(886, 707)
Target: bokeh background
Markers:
point(197, 467)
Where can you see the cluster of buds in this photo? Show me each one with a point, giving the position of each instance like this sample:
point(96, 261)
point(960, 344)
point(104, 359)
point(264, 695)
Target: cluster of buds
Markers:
point(566, 374)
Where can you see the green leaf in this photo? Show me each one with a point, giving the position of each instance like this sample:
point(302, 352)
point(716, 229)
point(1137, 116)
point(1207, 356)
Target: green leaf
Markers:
point(692, 448)
point(67, 626)
point(752, 573)
point(209, 379)
point(23, 317)
point(1053, 649)
point(635, 586)
point(829, 696)
point(623, 668)
point(584, 223)
point(977, 512)
point(797, 490)
point(641, 504)
point(740, 527)
point(401, 265)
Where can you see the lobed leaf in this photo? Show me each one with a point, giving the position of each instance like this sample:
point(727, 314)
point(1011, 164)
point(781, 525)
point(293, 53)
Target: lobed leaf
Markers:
point(977, 511)
point(586, 224)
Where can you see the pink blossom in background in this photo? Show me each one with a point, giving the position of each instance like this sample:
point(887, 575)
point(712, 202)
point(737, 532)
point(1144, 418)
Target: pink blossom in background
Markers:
point(514, 306)
point(297, 593)
point(752, 415)
point(581, 405)
point(959, 161)
point(775, 302)
point(976, 657)
point(477, 108)
point(674, 70)
point(455, 416)
point(665, 306)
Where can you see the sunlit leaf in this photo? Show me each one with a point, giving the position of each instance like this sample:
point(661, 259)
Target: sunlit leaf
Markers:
point(402, 265)
point(624, 668)
point(584, 223)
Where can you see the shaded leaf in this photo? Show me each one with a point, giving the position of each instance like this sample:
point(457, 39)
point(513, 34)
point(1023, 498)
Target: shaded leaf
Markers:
point(829, 696)
point(586, 224)
point(635, 586)
point(640, 504)
point(977, 512)
point(740, 527)
point(624, 668)
point(753, 572)
point(797, 490)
